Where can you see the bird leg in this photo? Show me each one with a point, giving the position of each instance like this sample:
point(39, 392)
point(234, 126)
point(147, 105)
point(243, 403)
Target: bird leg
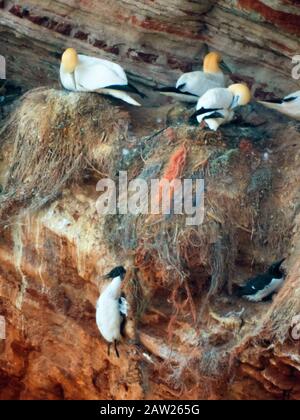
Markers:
point(108, 349)
point(116, 349)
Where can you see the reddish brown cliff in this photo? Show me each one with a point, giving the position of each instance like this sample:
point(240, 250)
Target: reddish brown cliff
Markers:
point(188, 336)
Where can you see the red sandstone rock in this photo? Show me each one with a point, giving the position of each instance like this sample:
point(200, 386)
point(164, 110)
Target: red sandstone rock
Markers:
point(51, 260)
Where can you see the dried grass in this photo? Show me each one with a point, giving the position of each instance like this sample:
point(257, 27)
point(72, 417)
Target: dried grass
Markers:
point(166, 250)
point(51, 139)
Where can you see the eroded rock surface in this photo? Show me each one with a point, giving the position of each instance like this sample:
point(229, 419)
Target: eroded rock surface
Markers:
point(51, 261)
point(155, 41)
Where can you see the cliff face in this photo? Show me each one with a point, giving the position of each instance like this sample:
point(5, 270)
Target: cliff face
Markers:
point(155, 41)
point(187, 335)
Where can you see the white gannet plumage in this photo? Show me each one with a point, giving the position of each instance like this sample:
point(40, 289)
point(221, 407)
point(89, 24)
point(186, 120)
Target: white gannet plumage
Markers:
point(111, 309)
point(216, 107)
point(81, 73)
point(191, 86)
point(288, 106)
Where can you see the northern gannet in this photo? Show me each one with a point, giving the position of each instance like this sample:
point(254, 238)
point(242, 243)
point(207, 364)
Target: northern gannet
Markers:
point(289, 106)
point(191, 86)
point(264, 285)
point(111, 309)
point(81, 73)
point(216, 107)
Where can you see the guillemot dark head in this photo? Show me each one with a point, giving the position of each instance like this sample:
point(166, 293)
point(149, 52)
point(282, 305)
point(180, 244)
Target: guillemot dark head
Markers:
point(275, 269)
point(116, 272)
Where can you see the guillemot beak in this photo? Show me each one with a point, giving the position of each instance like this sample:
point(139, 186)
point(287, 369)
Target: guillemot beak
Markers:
point(126, 278)
point(104, 277)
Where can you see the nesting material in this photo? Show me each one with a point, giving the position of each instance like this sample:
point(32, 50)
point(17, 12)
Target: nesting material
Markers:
point(182, 274)
point(51, 139)
point(166, 249)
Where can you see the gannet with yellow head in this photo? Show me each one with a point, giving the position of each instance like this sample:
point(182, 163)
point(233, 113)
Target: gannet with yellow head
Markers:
point(216, 107)
point(81, 73)
point(191, 86)
point(289, 106)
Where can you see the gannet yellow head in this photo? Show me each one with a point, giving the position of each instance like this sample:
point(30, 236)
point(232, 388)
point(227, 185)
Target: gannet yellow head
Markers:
point(69, 60)
point(241, 93)
point(213, 63)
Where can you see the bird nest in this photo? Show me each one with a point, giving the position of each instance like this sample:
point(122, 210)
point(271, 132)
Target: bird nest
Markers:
point(52, 139)
point(56, 138)
point(195, 263)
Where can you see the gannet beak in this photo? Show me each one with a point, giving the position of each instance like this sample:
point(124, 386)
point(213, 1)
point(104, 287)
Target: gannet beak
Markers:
point(224, 67)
